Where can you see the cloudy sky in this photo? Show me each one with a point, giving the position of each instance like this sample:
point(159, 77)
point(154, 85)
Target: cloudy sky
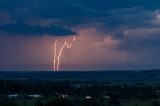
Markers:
point(110, 34)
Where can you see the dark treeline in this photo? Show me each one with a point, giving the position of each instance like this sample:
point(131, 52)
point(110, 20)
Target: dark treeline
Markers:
point(84, 75)
point(93, 88)
point(80, 93)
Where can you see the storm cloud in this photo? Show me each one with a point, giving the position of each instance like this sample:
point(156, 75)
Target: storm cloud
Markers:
point(19, 28)
point(124, 33)
point(70, 8)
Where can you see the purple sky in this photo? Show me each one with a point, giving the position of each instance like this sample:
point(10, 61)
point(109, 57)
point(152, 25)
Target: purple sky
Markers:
point(112, 35)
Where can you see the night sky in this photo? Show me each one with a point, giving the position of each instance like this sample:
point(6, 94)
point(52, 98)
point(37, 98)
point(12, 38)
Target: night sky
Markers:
point(110, 34)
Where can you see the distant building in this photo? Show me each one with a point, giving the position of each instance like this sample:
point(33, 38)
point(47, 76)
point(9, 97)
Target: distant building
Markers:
point(35, 96)
point(63, 96)
point(88, 97)
point(106, 97)
point(12, 96)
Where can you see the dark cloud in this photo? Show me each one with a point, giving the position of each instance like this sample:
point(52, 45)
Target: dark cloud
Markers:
point(70, 8)
point(114, 16)
point(20, 28)
point(139, 40)
point(126, 26)
point(112, 12)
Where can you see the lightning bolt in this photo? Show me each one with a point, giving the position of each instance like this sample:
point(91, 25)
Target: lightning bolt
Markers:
point(55, 54)
point(58, 54)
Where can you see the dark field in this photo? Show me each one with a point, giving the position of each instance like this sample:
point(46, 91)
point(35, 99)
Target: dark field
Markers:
point(83, 75)
point(114, 77)
point(98, 88)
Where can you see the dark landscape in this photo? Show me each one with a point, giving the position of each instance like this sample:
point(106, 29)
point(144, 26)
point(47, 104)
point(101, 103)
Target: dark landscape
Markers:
point(130, 75)
point(78, 88)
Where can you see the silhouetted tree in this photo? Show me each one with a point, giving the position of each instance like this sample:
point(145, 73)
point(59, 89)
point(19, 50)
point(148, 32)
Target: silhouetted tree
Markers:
point(113, 102)
point(155, 103)
point(8, 103)
point(59, 102)
point(90, 102)
point(38, 103)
